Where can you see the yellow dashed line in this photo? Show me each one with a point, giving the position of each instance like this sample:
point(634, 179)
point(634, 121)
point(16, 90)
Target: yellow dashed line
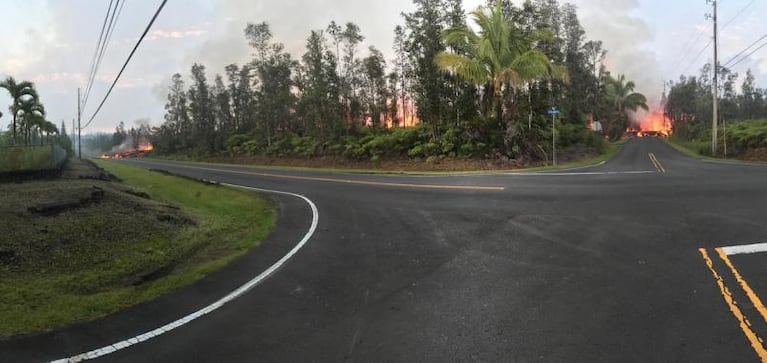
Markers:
point(745, 326)
point(746, 288)
point(358, 182)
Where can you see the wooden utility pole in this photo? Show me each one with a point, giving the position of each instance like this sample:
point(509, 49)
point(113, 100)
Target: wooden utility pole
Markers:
point(715, 85)
point(79, 131)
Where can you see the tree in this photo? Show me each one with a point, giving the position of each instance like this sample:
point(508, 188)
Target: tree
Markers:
point(374, 67)
point(336, 33)
point(498, 56)
point(178, 127)
point(32, 115)
point(424, 42)
point(19, 91)
point(621, 94)
point(259, 37)
point(201, 110)
point(319, 106)
point(402, 71)
point(351, 37)
point(275, 99)
point(222, 104)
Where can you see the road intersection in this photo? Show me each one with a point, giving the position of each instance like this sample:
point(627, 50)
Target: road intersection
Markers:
point(635, 259)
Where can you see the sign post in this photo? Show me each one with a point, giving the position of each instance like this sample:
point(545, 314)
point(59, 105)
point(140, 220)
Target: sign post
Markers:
point(553, 112)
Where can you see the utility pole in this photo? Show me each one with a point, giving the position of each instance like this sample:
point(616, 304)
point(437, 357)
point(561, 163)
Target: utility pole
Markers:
point(715, 85)
point(554, 112)
point(554, 137)
point(79, 130)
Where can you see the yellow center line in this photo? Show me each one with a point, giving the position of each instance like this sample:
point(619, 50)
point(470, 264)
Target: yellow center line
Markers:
point(745, 325)
point(658, 166)
point(746, 288)
point(352, 181)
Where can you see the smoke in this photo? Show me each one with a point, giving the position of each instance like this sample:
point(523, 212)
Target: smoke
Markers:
point(628, 40)
point(291, 22)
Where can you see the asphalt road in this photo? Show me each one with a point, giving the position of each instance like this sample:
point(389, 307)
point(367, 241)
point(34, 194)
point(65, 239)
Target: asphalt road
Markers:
point(593, 264)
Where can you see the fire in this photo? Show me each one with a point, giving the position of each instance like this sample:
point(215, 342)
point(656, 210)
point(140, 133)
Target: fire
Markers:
point(141, 151)
point(406, 117)
point(654, 123)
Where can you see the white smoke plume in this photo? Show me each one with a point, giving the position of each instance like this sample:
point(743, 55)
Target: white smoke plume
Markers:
point(628, 40)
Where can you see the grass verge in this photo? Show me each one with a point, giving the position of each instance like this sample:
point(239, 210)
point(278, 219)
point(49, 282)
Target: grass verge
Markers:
point(690, 148)
point(147, 236)
point(609, 152)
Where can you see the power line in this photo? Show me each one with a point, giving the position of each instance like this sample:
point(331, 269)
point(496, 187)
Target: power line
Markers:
point(749, 54)
point(98, 43)
point(686, 50)
point(738, 14)
point(698, 56)
point(744, 50)
point(107, 39)
point(149, 26)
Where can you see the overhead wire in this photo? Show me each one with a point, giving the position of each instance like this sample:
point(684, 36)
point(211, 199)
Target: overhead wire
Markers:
point(98, 44)
point(728, 23)
point(744, 50)
point(130, 56)
point(749, 54)
point(107, 39)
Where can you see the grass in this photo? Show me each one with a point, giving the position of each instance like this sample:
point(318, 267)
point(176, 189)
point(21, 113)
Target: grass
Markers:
point(695, 149)
point(21, 158)
point(88, 262)
point(609, 152)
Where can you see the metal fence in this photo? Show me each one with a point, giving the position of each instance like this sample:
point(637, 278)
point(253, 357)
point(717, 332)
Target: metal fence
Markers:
point(22, 159)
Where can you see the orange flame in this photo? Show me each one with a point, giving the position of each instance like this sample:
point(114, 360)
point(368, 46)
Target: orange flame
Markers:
point(655, 122)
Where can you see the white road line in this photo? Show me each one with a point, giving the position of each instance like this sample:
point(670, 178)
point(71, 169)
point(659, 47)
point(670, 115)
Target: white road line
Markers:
point(584, 173)
point(100, 352)
point(745, 249)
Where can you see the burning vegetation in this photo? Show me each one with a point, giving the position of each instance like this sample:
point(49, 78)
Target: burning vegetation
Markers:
point(134, 145)
point(651, 123)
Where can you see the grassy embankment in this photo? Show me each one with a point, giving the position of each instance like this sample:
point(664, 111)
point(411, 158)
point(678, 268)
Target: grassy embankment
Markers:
point(745, 140)
point(403, 167)
point(133, 242)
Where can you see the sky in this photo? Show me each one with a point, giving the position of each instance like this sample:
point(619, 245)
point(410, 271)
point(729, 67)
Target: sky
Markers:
point(52, 43)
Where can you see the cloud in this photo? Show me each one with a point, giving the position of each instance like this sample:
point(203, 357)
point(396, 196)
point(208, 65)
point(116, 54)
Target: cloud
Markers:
point(162, 34)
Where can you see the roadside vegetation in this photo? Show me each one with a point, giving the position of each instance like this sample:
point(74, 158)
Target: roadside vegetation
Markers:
point(744, 140)
point(82, 247)
point(742, 127)
point(461, 89)
point(28, 125)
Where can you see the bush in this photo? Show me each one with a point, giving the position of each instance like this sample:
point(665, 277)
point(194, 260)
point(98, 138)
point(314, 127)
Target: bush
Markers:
point(234, 143)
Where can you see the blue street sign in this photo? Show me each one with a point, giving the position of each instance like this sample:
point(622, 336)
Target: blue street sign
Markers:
point(553, 111)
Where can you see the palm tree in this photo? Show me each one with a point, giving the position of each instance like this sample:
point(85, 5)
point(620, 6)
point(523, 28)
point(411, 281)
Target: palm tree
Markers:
point(33, 115)
point(499, 56)
point(621, 94)
point(19, 91)
point(48, 128)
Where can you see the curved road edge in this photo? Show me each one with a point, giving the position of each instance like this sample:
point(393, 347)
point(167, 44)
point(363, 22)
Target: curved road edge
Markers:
point(111, 348)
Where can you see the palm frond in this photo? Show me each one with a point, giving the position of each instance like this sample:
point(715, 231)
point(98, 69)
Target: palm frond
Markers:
point(464, 67)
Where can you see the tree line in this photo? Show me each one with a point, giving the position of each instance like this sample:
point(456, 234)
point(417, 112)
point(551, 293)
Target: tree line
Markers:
point(690, 101)
point(471, 93)
point(28, 123)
